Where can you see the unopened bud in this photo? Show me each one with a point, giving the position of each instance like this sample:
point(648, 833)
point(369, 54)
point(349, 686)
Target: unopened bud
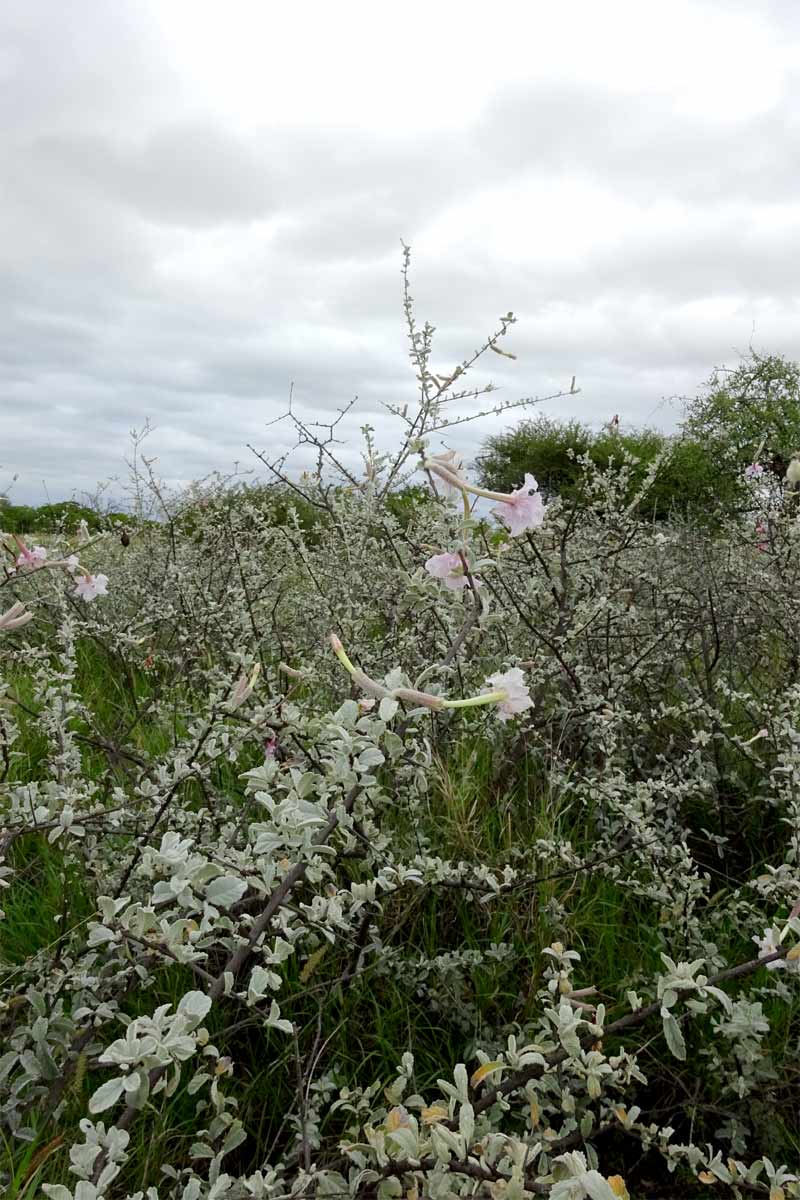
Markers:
point(290, 671)
point(370, 686)
point(15, 617)
point(338, 650)
point(243, 689)
point(422, 698)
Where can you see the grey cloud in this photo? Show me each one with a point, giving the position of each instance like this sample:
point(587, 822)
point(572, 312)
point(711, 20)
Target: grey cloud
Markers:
point(722, 254)
point(187, 174)
point(98, 67)
point(196, 173)
point(641, 144)
point(158, 262)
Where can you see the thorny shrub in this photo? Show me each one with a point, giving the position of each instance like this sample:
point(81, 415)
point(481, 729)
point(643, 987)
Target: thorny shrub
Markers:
point(539, 794)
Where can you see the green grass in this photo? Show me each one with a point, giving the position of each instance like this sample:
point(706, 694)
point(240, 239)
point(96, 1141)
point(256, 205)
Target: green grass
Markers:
point(48, 896)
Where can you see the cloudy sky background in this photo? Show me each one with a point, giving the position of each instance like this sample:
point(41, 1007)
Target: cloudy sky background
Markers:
point(203, 203)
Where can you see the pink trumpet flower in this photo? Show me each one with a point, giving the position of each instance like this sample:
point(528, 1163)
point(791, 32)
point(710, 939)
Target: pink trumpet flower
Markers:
point(517, 696)
point(91, 586)
point(519, 511)
point(522, 509)
point(30, 558)
point(450, 569)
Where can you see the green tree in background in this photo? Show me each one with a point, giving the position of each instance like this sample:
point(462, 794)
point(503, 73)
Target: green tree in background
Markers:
point(689, 480)
point(67, 515)
point(17, 518)
point(750, 413)
point(63, 517)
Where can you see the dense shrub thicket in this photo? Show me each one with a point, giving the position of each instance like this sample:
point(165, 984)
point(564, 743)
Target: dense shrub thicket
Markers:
point(493, 893)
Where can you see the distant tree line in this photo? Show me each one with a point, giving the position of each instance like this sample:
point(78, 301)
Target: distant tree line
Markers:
point(750, 414)
point(63, 517)
point(744, 415)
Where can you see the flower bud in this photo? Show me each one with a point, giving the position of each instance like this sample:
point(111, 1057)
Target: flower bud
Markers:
point(370, 686)
point(414, 697)
point(243, 689)
point(15, 617)
point(339, 651)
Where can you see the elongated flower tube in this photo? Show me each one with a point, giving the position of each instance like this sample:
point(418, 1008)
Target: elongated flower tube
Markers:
point(498, 697)
point(424, 699)
point(519, 510)
point(370, 686)
point(285, 669)
point(509, 692)
point(448, 464)
point(450, 461)
point(360, 678)
point(457, 481)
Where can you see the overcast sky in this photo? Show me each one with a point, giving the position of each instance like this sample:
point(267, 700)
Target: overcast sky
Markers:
point(201, 203)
